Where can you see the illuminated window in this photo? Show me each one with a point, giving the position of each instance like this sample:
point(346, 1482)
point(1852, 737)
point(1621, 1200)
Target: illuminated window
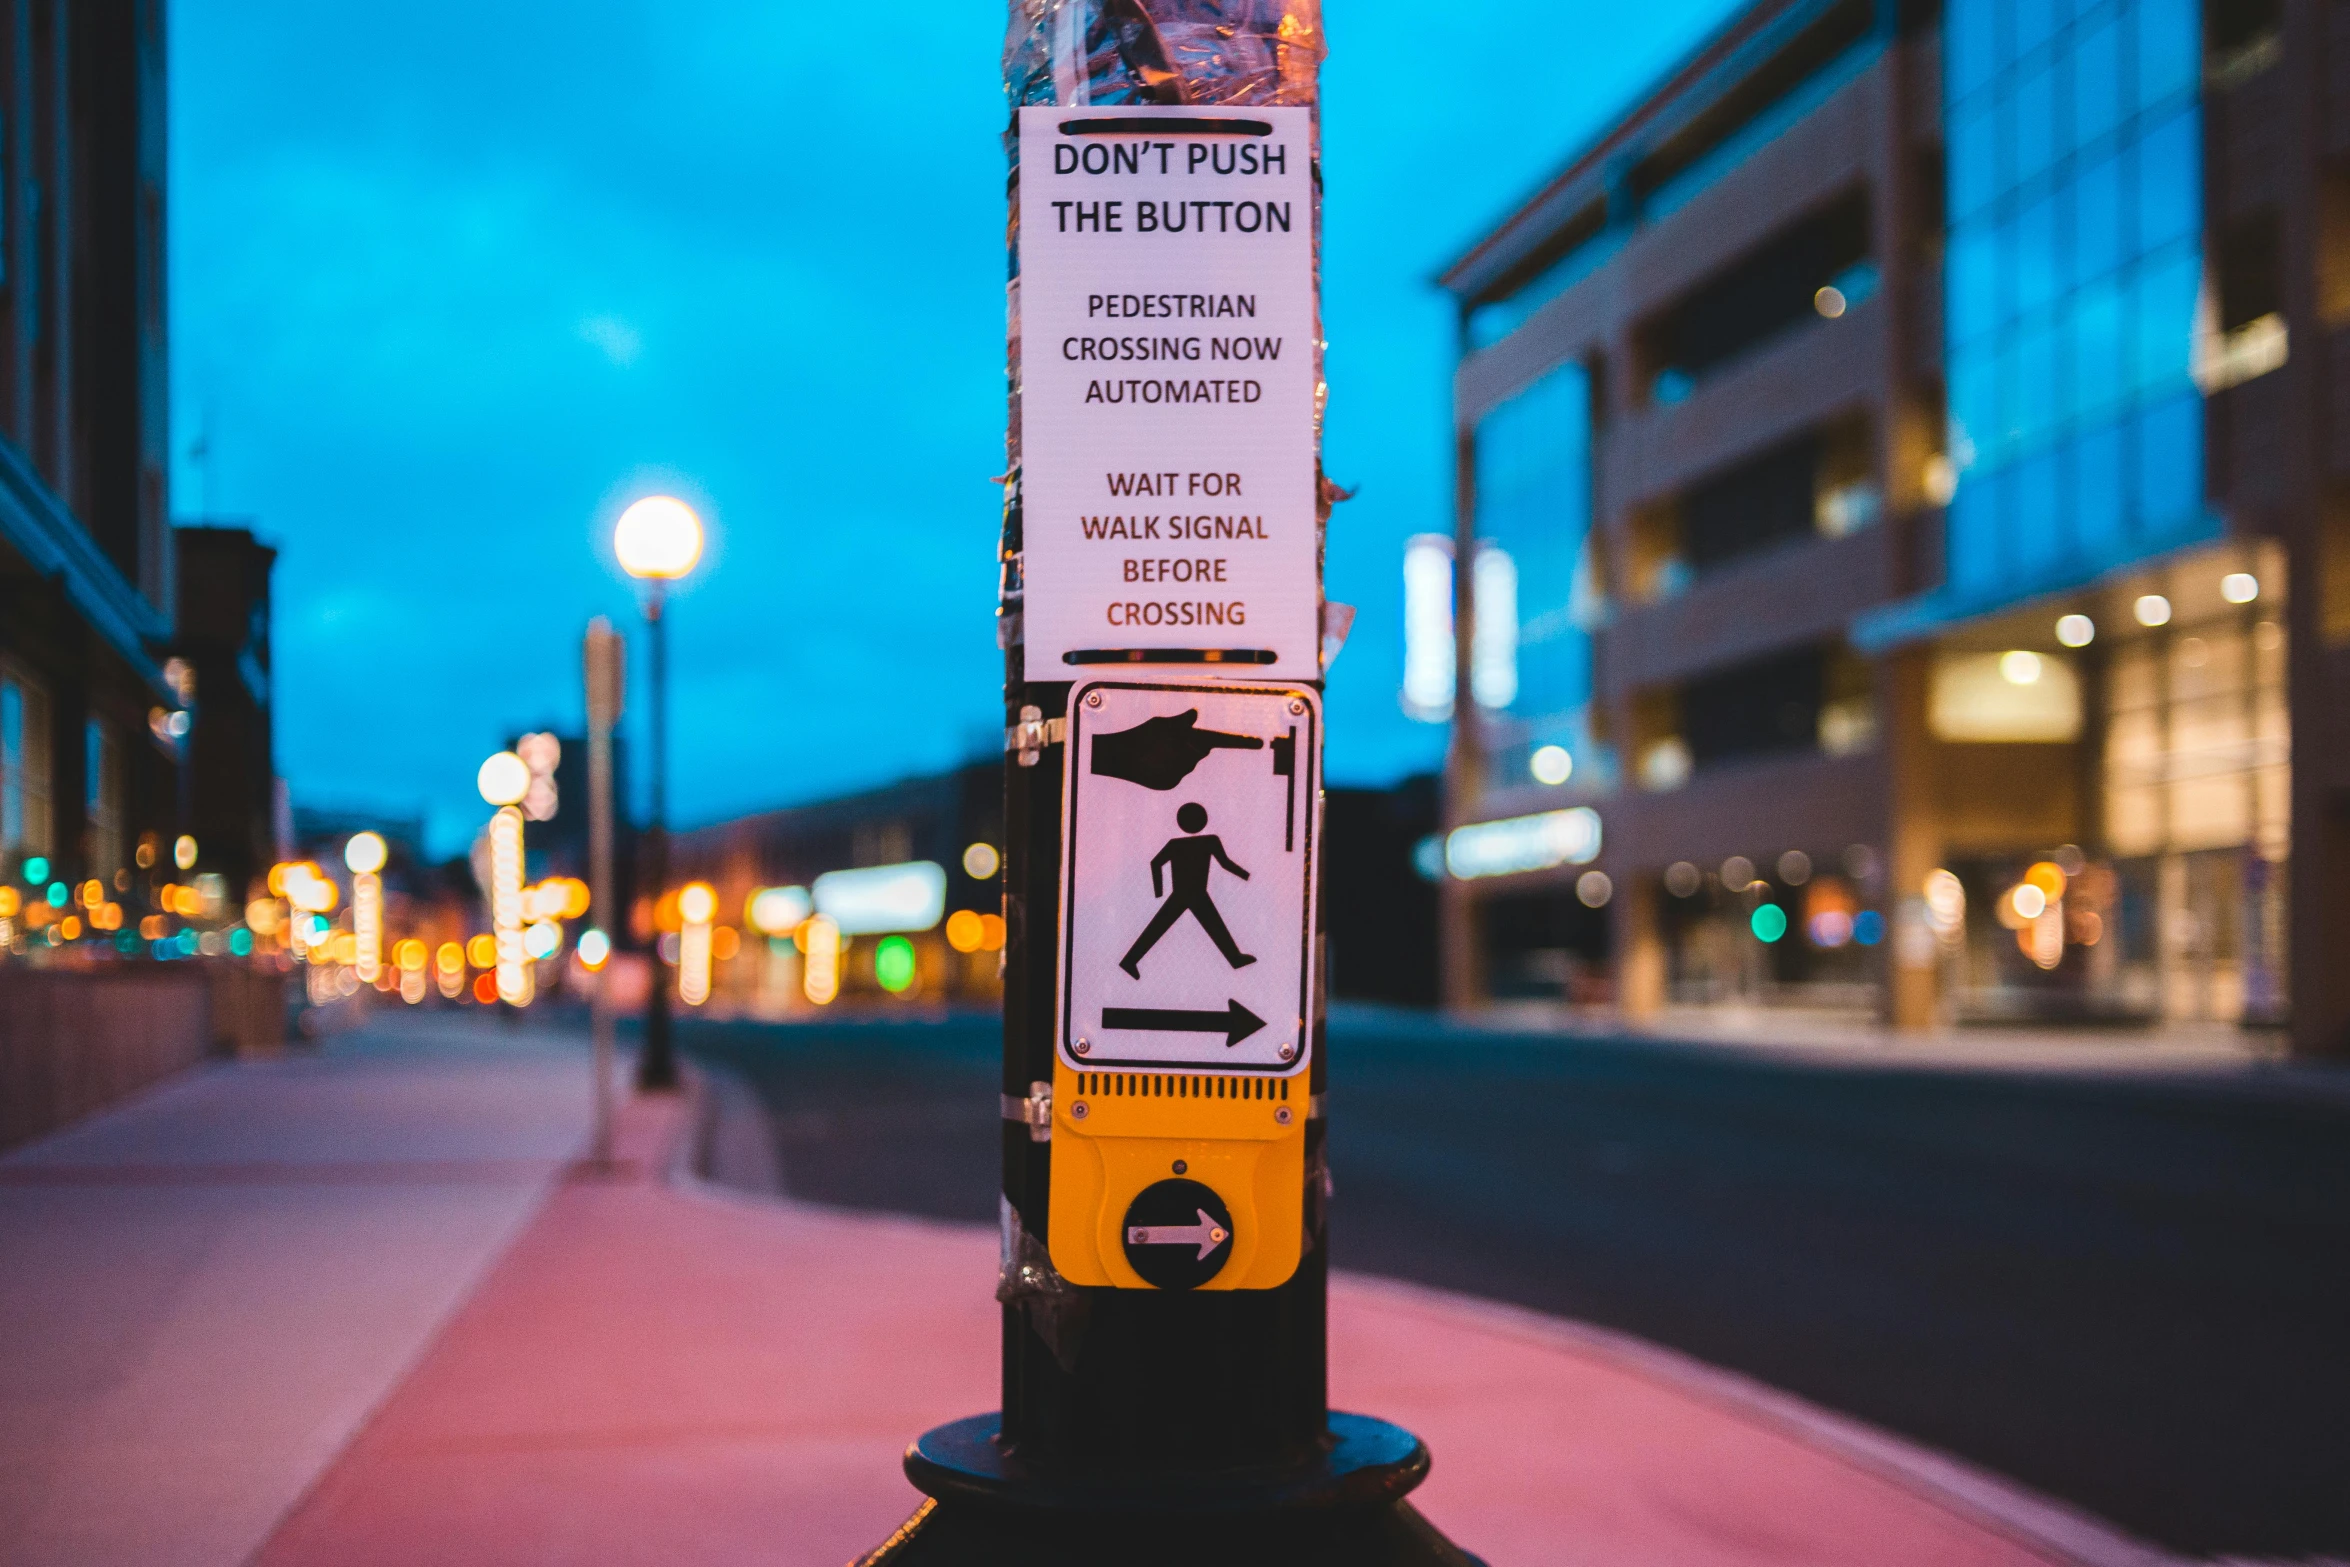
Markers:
point(2197, 747)
point(2012, 696)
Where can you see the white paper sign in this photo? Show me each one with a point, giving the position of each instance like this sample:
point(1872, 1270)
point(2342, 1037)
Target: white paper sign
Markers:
point(1166, 306)
point(1187, 887)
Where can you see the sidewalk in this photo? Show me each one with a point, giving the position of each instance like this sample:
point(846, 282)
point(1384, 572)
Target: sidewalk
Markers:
point(353, 1310)
point(209, 1288)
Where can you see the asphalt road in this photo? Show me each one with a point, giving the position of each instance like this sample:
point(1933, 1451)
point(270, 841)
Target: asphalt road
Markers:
point(2130, 1293)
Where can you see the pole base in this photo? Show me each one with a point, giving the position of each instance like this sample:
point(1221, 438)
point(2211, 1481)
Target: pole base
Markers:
point(1344, 1507)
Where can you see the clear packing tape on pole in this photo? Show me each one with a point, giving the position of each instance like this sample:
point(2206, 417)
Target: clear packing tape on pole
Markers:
point(1075, 53)
point(1081, 53)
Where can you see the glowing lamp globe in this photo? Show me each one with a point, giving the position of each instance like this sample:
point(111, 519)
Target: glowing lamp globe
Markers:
point(697, 902)
point(365, 852)
point(658, 537)
point(504, 779)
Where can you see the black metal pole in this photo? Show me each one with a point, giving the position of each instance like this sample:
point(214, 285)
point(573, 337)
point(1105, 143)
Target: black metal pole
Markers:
point(656, 1066)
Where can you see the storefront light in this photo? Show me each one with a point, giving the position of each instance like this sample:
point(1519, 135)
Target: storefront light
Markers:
point(1518, 844)
point(883, 898)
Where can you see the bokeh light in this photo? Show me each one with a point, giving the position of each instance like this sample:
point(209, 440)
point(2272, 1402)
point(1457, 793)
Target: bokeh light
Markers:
point(366, 852)
point(893, 964)
point(964, 930)
point(778, 911)
point(504, 779)
point(658, 537)
point(819, 938)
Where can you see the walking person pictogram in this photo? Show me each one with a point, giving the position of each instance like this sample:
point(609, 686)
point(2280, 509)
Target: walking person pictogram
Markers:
point(1187, 862)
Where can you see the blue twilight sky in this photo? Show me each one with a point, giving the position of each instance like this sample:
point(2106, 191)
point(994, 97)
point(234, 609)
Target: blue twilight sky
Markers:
point(452, 283)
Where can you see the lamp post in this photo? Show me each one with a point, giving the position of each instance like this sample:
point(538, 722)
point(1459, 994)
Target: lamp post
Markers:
point(657, 540)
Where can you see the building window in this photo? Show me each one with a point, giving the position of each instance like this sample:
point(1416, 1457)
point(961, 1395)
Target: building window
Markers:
point(102, 796)
point(2073, 271)
point(24, 765)
point(1536, 590)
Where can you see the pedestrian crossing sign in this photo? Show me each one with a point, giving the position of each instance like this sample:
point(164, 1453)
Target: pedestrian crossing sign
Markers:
point(1187, 889)
point(1191, 829)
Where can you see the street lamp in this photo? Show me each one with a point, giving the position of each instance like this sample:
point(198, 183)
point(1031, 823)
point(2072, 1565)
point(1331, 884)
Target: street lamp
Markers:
point(658, 539)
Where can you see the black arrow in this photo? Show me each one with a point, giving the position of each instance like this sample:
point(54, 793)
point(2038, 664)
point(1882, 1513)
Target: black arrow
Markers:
point(1235, 1023)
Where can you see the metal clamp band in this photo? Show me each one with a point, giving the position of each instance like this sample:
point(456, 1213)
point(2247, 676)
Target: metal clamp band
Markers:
point(1035, 1112)
point(1028, 738)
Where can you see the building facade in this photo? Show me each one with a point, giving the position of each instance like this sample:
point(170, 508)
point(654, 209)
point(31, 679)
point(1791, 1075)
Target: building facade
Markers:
point(221, 641)
point(1905, 560)
point(91, 727)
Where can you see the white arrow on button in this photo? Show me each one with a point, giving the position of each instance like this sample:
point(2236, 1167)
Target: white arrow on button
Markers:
point(1207, 1234)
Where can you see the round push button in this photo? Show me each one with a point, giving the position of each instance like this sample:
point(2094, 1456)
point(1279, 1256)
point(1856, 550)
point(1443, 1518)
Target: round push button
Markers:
point(1178, 1234)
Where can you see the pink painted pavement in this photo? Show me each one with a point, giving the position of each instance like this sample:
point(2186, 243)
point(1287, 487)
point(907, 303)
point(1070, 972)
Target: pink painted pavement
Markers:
point(666, 1374)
